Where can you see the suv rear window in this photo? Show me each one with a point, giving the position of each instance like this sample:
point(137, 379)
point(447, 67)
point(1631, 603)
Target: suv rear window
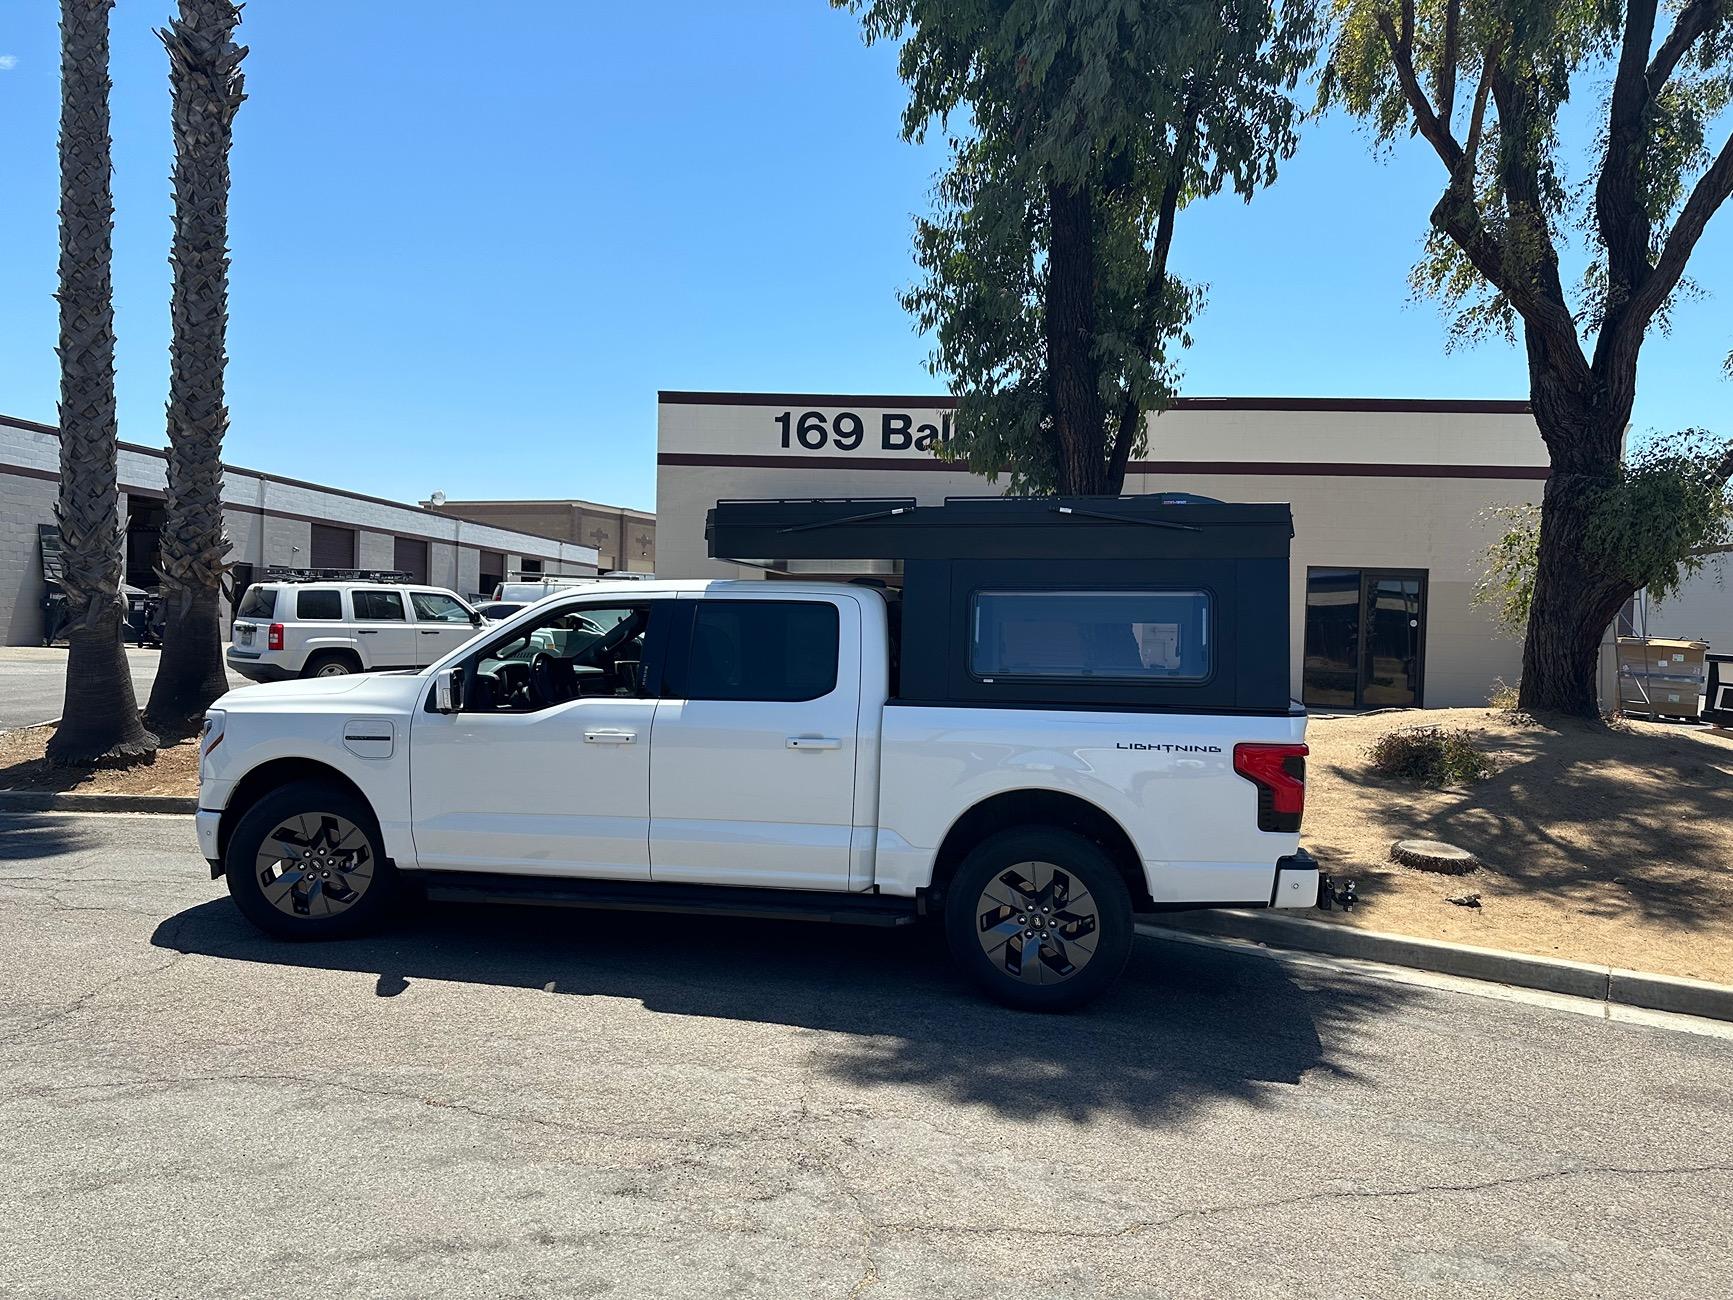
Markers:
point(1135, 636)
point(259, 602)
point(318, 604)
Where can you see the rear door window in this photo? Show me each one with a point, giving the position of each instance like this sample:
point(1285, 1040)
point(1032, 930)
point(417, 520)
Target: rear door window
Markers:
point(378, 606)
point(259, 602)
point(761, 650)
point(317, 605)
point(1128, 636)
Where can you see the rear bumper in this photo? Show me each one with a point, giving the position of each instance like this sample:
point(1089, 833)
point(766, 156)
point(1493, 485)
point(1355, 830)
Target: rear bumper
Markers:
point(255, 668)
point(1297, 880)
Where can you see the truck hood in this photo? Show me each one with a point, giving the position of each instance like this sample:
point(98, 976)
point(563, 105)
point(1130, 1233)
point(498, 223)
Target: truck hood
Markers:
point(357, 691)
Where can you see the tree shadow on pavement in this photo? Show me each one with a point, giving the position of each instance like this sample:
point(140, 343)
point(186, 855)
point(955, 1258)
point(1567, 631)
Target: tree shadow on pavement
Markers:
point(28, 836)
point(1187, 1025)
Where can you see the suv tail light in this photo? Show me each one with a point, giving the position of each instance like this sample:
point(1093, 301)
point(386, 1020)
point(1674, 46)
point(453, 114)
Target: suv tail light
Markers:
point(274, 638)
point(1279, 772)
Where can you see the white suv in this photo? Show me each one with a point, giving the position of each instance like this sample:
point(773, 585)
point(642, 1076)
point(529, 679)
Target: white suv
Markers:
point(329, 629)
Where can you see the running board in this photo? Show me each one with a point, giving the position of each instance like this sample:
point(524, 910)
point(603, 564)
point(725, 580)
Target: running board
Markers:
point(633, 896)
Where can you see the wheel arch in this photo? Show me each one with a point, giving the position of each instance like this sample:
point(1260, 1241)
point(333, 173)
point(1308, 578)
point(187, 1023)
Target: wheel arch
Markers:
point(1011, 809)
point(273, 775)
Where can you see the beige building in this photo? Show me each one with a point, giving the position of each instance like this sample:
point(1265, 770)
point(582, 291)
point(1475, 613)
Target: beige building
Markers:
point(625, 539)
point(1389, 498)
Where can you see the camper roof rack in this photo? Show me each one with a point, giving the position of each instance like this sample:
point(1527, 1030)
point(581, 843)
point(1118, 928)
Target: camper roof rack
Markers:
point(285, 573)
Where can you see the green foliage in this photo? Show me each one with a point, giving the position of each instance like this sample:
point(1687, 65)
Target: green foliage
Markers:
point(1434, 756)
point(1143, 106)
point(1542, 51)
point(1655, 525)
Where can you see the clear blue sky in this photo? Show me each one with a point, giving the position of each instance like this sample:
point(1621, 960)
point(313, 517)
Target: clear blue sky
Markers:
point(468, 251)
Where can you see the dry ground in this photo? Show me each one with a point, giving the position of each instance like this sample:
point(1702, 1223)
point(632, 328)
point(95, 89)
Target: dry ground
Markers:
point(176, 770)
point(1609, 844)
point(1601, 844)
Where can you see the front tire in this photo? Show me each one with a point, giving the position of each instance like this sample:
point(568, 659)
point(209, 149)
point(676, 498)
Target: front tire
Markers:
point(307, 861)
point(1039, 918)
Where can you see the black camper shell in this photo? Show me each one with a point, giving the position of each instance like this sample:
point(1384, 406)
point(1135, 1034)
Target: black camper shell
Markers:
point(1204, 584)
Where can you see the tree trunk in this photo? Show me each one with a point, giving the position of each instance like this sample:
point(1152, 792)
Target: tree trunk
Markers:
point(1578, 591)
point(1074, 374)
point(99, 720)
point(204, 70)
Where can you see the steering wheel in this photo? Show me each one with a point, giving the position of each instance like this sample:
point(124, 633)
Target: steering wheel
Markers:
point(541, 687)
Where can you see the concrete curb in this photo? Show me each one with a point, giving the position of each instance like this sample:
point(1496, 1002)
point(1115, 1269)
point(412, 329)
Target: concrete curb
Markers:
point(60, 801)
point(1686, 997)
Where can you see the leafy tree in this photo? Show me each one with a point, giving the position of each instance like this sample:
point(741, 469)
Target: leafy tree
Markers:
point(1659, 522)
point(1482, 82)
point(99, 720)
point(1091, 123)
point(204, 72)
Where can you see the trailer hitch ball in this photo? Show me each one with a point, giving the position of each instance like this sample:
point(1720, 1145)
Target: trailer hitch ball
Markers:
point(1333, 893)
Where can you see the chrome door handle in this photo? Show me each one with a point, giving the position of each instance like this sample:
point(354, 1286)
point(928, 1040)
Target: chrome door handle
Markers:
point(609, 737)
point(814, 742)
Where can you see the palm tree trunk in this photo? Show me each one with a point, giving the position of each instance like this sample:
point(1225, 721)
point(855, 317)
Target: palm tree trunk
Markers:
point(99, 721)
point(204, 71)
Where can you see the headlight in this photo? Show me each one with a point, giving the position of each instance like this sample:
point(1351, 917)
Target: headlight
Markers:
point(210, 736)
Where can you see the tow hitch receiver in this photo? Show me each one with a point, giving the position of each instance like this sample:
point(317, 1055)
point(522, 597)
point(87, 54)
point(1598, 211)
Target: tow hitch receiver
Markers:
point(1336, 893)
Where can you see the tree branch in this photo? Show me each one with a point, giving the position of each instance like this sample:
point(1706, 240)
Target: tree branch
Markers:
point(1401, 45)
point(1694, 19)
point(1447, 63)
point(1619, 215)
point(1707, 196)
point(1477, 117)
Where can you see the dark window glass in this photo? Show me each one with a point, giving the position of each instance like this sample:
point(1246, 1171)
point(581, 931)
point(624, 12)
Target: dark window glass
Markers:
point(761, 650)
point(437, 607)
point(1332, 663)
point(1147, 636)
point(378, 606)
point(318, 604)
point(259, 602)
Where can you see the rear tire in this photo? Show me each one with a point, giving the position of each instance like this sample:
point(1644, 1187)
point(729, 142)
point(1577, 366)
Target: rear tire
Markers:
point(1039, 918)
point(331, 663)
point(307, 861)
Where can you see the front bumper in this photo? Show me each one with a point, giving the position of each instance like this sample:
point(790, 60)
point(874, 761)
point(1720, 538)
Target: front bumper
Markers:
point(206, 822)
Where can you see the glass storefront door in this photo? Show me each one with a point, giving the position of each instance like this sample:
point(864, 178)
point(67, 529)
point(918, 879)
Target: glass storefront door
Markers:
point(1365, 638)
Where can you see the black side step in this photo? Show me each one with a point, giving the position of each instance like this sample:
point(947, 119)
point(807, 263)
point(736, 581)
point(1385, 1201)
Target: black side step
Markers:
point(648, 896)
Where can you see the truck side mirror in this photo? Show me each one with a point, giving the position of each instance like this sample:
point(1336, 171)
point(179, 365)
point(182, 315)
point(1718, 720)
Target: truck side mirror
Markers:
point(447, 691)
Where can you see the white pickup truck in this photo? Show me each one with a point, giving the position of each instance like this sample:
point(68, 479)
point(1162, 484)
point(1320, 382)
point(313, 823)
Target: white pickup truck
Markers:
point(765, 748)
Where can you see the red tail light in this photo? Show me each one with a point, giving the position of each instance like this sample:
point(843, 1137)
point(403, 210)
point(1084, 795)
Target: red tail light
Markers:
point(1279, 772)
point(274, 638)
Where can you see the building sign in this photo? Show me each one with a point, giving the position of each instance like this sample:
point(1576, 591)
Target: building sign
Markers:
point(876, 432)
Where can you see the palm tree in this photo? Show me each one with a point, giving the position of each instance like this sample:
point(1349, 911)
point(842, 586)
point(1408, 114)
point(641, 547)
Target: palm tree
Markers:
point(204, 71)
point(99, 721)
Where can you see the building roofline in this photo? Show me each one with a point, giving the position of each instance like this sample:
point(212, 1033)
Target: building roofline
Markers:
point(546, 501)
point(160, 454)
point(1432, 405)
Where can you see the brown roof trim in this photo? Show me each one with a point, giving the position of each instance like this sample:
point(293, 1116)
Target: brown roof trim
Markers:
point(1434, 405)
point(1302, 469)
point(160, 454)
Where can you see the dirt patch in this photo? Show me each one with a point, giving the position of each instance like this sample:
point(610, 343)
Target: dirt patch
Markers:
point(22, 767)
point(1599, 844)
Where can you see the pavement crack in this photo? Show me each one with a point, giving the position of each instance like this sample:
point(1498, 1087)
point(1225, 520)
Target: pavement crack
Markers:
point(84, 999)
point(1309, 1198)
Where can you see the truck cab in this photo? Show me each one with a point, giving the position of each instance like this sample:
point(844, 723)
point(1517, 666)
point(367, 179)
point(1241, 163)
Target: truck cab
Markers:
point(996, 746)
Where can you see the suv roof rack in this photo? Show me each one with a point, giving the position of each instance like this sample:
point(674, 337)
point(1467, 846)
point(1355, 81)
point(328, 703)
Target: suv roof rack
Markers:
point(283, 573)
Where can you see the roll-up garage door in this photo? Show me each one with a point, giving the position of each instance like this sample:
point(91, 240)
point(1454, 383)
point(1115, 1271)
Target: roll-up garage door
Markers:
point(410, 556)
point(333, 548)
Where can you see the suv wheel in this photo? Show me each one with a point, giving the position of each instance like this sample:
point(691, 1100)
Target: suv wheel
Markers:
point(307, 862)
point(1039, 918)
point(331, 663)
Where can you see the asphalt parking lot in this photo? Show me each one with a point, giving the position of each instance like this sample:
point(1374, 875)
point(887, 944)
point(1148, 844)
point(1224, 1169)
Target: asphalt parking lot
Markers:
point(33, 682)
point(513, 1102)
